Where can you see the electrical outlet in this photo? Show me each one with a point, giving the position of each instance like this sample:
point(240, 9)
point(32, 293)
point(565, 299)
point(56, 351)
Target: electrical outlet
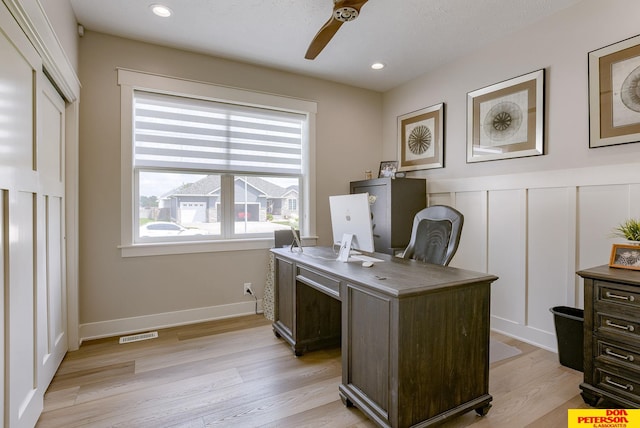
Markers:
point(247, 289)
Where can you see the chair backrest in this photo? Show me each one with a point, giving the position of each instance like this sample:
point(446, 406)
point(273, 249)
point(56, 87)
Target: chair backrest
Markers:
point(283, 238)
point(435, 235)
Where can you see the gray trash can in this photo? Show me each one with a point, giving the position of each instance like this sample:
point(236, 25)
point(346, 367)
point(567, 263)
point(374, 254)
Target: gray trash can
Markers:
point(569, 324)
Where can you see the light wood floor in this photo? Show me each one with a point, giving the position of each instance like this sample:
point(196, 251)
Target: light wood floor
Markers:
point(236, 373)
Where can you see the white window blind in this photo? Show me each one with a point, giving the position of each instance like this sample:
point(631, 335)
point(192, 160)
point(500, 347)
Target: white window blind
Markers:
point(190, 134)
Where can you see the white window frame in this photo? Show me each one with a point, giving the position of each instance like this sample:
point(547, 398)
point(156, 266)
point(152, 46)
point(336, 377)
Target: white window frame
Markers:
point(130, 81)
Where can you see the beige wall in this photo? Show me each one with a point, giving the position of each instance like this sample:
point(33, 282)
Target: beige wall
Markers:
point(348, 141)
point(350, 138)
point(559, 45)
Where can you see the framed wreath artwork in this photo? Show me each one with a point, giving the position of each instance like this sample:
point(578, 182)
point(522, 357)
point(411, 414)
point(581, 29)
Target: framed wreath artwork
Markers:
point(421, 139)
point(614, 94)
point(506, 120)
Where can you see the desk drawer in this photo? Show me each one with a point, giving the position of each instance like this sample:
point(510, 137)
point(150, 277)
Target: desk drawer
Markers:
point(618, 326)
point(620, 384)
point(321, 282)
point(620, 354)
point(609, 292)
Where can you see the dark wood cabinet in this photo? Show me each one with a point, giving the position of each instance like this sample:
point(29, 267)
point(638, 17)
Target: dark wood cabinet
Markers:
point(611, 336)
point(417, 360)
point(397, 202)
point(414, 336)
point(304, 316)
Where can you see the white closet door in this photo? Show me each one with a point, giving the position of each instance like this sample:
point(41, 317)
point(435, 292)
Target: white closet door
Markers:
point(19, 203)
point(52, 298)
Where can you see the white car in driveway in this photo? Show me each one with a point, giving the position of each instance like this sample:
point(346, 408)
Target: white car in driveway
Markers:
point(167, 228)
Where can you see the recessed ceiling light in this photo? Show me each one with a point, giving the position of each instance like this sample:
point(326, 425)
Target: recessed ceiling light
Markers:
point(160, 10)
point(377, 66)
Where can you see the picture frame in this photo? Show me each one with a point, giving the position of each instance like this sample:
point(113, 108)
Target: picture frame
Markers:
point(625, 256)
point(388, 169)
point(614, 99)
point(506, 120)
point(421, 139)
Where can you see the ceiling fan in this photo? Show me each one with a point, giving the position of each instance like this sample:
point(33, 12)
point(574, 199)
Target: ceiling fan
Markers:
point(343, 11)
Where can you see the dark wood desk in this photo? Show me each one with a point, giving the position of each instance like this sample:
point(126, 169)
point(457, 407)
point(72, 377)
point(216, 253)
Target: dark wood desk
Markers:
point(414, 336)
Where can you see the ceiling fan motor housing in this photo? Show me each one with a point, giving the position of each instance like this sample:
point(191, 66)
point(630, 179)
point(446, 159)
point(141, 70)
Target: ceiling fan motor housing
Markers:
point(345, 14)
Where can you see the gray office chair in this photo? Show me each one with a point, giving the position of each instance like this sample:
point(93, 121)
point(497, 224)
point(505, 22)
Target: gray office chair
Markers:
point(284, 238)
point(435, 235)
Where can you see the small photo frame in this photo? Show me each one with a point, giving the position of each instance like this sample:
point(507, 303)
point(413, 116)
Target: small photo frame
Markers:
point(625, 256)
point(506, 120)
point(614, 98)
point(388, 169)
point(421, 139)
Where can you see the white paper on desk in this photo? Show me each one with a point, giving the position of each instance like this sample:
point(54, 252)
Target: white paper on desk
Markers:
point(345, 247)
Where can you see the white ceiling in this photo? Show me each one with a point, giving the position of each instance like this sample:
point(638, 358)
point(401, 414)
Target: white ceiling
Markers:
point(410, 36)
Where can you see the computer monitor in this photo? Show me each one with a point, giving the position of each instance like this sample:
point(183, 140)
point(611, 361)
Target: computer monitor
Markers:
point(351, 214)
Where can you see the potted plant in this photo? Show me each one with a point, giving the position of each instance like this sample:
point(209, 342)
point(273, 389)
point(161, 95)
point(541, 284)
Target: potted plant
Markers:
point(629, 230)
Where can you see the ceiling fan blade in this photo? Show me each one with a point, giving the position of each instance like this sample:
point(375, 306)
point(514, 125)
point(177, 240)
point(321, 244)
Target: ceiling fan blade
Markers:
point(323, 37)
point(343, 10)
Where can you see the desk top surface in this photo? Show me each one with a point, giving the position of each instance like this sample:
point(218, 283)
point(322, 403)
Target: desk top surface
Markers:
point(394, 276)
point(607, 273)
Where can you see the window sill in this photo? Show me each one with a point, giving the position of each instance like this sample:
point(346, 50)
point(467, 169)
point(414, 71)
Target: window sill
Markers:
point(162, 249)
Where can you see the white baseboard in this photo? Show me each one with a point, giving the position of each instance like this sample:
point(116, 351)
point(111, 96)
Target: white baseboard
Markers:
point(125, 326)
point(527, 334)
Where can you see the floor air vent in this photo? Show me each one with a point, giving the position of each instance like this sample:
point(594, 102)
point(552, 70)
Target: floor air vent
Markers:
point(138, 337)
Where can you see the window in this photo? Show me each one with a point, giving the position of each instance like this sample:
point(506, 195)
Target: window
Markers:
point(206, 169)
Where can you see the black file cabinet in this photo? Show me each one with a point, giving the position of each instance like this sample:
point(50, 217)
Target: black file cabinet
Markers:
point(397, 200)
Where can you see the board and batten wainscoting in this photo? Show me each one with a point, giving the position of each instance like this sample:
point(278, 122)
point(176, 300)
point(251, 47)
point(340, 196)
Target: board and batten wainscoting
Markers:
point(534, 231)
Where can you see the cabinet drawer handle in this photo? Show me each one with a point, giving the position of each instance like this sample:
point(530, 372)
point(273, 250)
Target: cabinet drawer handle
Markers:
point(621, 327)
point(617, 385)
point(619, 297)
point(622, 357)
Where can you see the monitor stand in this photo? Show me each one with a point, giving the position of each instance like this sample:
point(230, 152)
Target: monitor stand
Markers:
point(345, 247)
